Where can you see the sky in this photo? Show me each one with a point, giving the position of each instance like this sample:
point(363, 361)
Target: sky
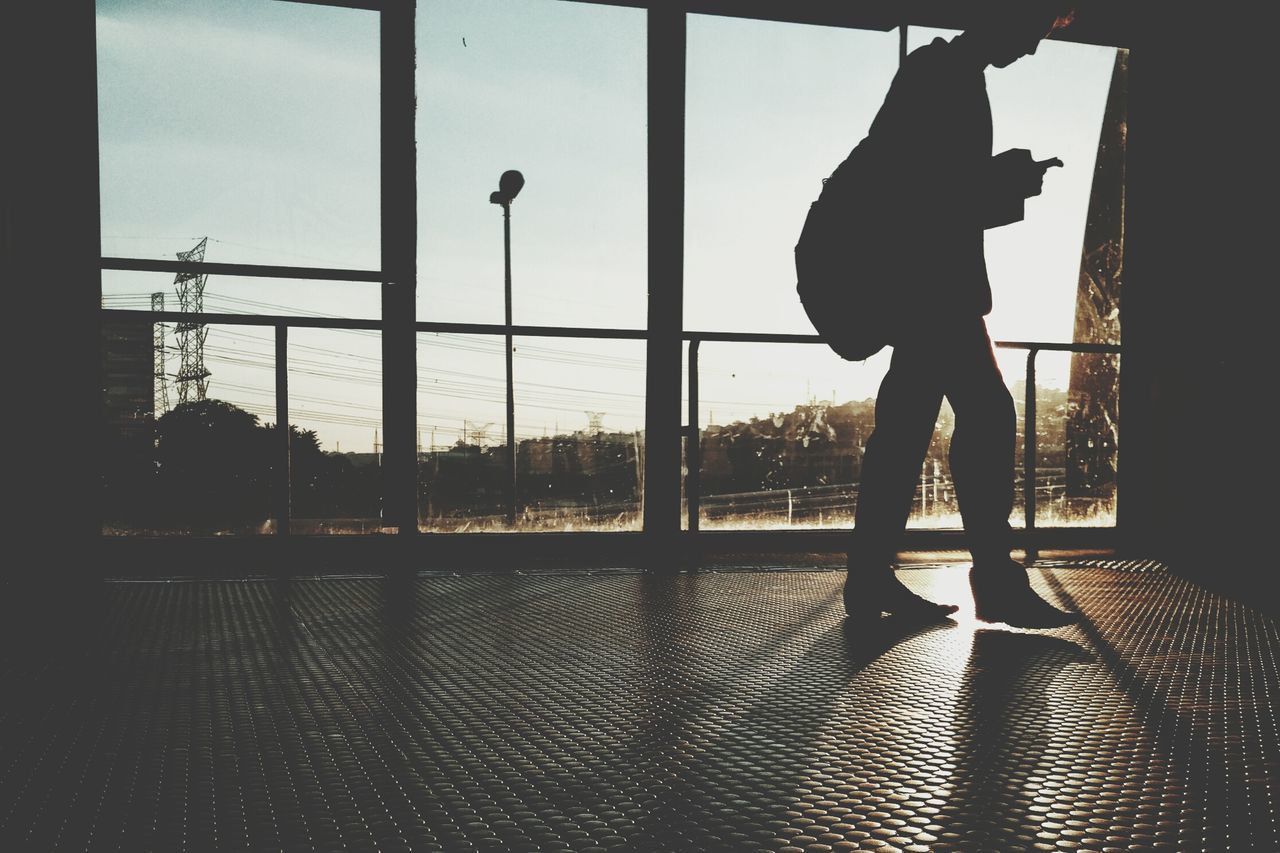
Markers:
point(255, 123)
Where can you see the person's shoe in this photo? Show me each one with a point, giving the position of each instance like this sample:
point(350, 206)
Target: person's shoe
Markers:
point(1003, 593)
point(870, 595)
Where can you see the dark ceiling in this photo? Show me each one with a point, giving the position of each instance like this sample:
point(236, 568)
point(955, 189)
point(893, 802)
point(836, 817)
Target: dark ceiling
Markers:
point(1104, 22)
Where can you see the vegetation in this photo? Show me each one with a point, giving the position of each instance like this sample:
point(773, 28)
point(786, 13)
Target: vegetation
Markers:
point(209, 467)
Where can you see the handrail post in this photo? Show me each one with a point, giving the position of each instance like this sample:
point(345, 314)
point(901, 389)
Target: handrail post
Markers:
point(284, 459)
point(693, 439)
point(1029, 457)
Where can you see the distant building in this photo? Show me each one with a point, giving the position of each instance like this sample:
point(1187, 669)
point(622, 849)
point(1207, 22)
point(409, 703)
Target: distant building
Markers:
point(128, 378)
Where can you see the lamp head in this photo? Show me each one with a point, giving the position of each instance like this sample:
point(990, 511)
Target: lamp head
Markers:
point(509, 186)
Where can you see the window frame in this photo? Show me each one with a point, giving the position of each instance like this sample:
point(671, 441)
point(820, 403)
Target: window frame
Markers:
point(664, 333)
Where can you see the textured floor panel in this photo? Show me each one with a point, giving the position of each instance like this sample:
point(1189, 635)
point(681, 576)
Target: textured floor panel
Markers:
point(713, 711)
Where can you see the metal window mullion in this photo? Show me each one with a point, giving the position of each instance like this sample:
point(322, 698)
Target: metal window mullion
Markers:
point(244, 270)
point(271, 320)
point(399, 229)
point(371, 5)
point(666, 108)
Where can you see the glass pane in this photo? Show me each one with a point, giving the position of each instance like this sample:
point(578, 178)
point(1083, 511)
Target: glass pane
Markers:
point(188, 439)
point(772, 109)
point(335, 414)
point(1077, 440)
point(556, 91)
point(579, 443)
point(579, 422)
point(251, 122)
point(463, 473)
point(783, 430)
point(229, 294)
point(782, 427)
point(1053, 104)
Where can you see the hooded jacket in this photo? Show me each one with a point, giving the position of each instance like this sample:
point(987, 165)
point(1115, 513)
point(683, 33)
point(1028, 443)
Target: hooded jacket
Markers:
point(921, 188)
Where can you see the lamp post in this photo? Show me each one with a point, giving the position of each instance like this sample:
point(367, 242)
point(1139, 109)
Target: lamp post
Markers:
point(509, 186)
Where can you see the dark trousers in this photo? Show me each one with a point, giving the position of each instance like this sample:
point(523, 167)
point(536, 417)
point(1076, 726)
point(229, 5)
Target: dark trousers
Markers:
point(953, 360)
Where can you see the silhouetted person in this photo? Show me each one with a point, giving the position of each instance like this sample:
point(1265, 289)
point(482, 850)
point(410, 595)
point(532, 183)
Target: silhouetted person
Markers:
point(903, 219)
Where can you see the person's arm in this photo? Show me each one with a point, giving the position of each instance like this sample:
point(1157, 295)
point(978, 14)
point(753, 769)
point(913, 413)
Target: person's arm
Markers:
point(1014, 177)
point(1001, 201)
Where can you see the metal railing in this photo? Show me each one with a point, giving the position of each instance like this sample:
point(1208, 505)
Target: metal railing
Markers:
point(282, 323)
point(692, 431)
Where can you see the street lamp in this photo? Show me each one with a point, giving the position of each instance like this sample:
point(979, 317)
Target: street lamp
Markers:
point(509, 186)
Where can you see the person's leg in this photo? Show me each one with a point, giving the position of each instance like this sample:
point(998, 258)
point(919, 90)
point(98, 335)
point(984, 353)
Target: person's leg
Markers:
point(982, 454)
point(906, 413)
point(982, 444)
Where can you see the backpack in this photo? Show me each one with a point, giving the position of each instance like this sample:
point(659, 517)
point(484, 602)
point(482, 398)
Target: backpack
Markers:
point(846, 269)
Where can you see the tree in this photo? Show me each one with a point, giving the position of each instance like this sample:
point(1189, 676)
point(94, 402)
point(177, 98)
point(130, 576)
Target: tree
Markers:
point(214, 467)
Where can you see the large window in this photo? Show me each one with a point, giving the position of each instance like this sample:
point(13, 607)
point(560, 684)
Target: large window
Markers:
point(555, 91)
point(244, 134)
point(772, 109)
point(255, 209)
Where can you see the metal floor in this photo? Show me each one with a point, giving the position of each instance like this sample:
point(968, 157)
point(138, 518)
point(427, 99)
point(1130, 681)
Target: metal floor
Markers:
point(714, 711)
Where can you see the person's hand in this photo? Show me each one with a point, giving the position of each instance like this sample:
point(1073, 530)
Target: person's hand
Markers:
point(1021, 172)
point(1044, 166)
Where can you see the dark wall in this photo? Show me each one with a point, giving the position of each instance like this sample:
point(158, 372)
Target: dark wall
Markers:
point(53, 357)
point(52, 343)
point(1201, 269)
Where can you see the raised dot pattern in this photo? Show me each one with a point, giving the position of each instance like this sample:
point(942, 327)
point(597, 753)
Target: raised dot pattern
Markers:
point(726, 711)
